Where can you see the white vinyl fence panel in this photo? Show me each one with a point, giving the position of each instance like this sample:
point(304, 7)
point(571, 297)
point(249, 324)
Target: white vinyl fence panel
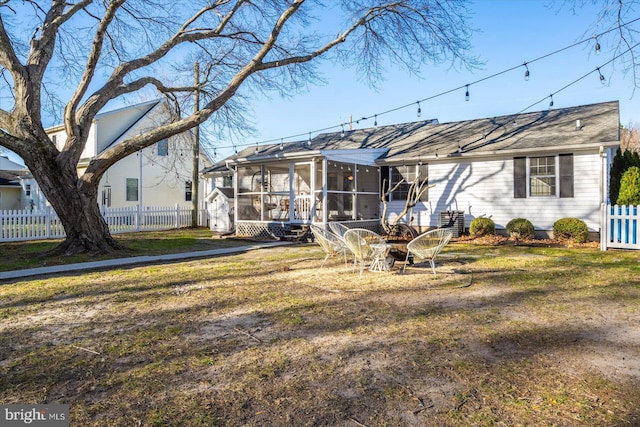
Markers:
point(620, 227)
point(17, 225)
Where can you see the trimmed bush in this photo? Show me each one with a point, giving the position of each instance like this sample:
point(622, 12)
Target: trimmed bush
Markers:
point(521, 227)
point(482, 226)
point(630, 187)
point(571, 228)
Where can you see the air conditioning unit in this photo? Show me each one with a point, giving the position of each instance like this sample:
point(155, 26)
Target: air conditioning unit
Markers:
point(453, 220)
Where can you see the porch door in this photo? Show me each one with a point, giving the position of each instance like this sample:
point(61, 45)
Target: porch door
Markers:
point(301, 192)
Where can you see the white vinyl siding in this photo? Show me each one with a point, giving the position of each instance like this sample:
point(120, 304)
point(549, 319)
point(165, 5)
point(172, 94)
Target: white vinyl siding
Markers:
point(485, 187)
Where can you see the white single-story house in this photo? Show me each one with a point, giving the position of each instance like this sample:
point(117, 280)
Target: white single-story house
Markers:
point(159, 175)
point(541, 166)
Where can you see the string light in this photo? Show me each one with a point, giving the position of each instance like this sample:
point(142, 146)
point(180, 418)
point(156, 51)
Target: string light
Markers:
point(281, 144)
point(309, 140)
point(342, 133)
point(526, 73)
point(419, 109)
point(602, 80)
point(466, 86)
point(551, 102)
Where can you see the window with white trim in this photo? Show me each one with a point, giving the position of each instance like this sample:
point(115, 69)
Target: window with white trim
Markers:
point(543, 176)
point(410, 173)
point(132, 190)
point(163, 148)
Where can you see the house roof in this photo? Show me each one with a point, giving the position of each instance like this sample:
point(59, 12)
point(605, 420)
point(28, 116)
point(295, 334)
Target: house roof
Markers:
point(559, 129)
point(9, 178)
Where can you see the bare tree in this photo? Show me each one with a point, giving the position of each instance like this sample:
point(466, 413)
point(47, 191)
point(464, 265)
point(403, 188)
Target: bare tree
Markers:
point(108, 49)
point(630, 138)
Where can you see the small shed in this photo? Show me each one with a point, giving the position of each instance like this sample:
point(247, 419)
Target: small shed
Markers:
point(220, 206)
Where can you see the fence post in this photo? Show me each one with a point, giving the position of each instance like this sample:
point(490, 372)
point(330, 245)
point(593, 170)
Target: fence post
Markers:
point(603, 226)
point(47, 222)
point(177, 223)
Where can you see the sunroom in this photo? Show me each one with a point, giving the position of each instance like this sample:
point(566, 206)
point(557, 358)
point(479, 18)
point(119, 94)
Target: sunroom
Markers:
point(279, 195)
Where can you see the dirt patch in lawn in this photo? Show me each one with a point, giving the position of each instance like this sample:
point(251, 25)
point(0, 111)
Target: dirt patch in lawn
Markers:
point(505, 335)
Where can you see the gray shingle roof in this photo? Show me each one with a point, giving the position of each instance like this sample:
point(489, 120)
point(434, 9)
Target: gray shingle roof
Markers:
point(549, 129)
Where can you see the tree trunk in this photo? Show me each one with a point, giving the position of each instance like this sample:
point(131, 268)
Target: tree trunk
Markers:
point(76, 203)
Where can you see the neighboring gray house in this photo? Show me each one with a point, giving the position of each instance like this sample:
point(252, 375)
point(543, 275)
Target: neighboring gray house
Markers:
point(541, 166)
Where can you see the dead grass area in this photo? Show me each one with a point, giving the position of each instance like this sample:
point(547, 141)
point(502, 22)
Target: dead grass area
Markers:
point(505, 335)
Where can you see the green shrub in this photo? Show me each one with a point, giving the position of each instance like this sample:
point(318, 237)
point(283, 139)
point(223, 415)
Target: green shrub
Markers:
point(521, 227)
point(571, 228)
point(482, 226)
point(630, 187)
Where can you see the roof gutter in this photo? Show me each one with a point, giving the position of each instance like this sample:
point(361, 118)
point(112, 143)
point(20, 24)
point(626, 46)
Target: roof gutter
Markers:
point(272, 158)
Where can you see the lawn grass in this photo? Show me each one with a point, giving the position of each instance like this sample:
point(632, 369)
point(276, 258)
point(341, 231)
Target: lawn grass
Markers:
point(32, 254)
point(505, 335)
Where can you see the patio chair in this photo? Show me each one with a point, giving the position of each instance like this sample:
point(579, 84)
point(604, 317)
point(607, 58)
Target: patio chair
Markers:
point(359, 241)
point(427, 246)
point(338, 228)
point(329, 242)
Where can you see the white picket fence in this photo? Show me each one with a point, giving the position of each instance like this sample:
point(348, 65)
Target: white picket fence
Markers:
point(620, 227)
point(17, 225)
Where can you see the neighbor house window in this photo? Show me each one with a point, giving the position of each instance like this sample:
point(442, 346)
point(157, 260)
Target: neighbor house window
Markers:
point(543, 176)
point(106, 196)
point(27, 190)
point(132, 189)
point(163, 147)
point(188, 191)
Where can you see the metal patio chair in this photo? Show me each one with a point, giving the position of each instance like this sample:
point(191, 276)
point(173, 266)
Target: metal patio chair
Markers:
point(329, 242)
point(427, 246)
point(338, 228)
point(359, 241)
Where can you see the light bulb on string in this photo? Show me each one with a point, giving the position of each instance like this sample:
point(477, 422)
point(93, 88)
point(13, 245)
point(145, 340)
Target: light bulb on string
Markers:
point(602, 79)
point(257, 148)
point(309, 140)
point(375, 120)
point(342, 133)
point(551, 102)
point(466, 94)
point(281, 144)
point(419, 109)
point(526, 73)
point(597, 46)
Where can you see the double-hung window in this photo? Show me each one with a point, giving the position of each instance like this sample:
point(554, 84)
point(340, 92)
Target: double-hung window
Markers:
point(410, 174)
point(543, 176)
point(163, 148)
point(132, 190)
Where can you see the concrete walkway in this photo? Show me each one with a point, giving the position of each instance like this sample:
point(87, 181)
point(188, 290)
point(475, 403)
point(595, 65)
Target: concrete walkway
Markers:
point(119, 262)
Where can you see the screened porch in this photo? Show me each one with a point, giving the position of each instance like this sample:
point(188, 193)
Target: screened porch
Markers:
point(275, 197)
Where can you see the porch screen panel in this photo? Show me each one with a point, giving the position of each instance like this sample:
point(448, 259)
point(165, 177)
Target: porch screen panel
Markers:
point(367, 177)
point(276, 200)
point(368, 206)
point(249, 192)
point(340, 206)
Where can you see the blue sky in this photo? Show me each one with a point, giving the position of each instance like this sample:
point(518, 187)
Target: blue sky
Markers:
point(509, 34)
